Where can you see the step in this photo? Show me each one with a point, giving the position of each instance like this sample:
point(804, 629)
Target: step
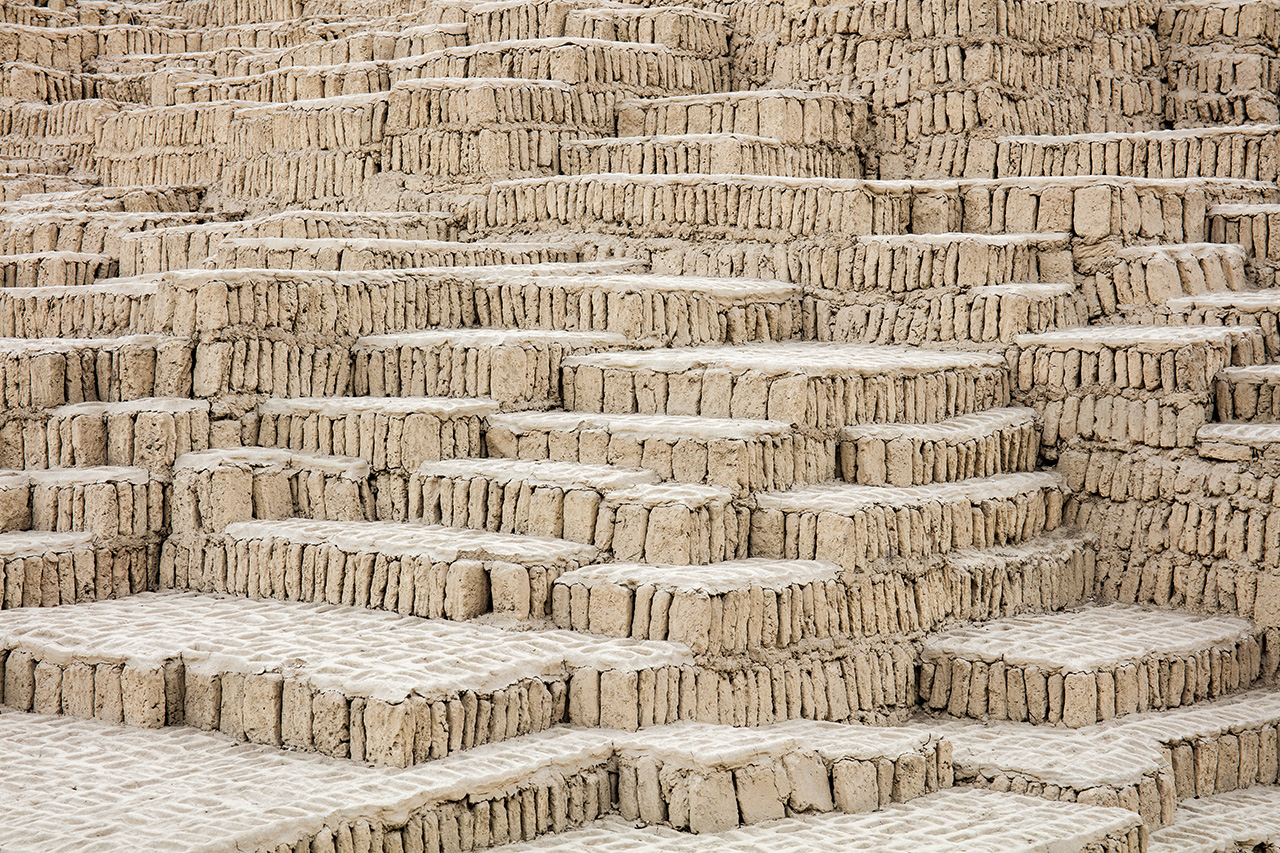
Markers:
point(1256, 227)
point(40, 569)
point(788, 115)
point(819, 386)
point(1248, 393)
point(149, 433)
point(55, 268)
point(994, 441)
point(663, 310)
point(651, 207)
point(623, 69)
point(1133, 384)
point(1151, 275)
point(477, 130)
point(215, 488)
point(1244, 151)
point(1258, 308)
point(162, 249)
point(113, 308)
point(986, 314)
point(432, 688)
point(105, 501)
point(1246, 442)
point(43, 373)
point(740, 455)
point(512, 367)
point(723, 608)
point(710, 154)
point(369, 254)
point(679, 27)
point(855, 526)
point(945, 822)
point(1151, 763)
point(1240, 820)
point(268, 799)
point(391, 434)
point(786, 209)
point(1100, 659)
point(537, 785)
point(364, 302)
point(1221, 83)
point(899, 264)
point(413, 569)
point(626, 513)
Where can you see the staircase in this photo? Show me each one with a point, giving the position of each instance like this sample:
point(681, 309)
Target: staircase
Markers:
point(432, 425)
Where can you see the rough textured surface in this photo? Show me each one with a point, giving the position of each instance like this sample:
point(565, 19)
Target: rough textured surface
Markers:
point(773, 384)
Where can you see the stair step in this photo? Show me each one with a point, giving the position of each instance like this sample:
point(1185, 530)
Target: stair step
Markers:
point(597, 66)
point(951, 821)
point(740, 455)
point(679, 27)
point(513, 367)
point(1151, 275)
point(820, 386)
point(981, 444)
point(1248, 393)
point(148, 433)
point(1202, 152)
point(483, 797)
point(627, 513)
point(101, 791)
point(366, 302)
point(185, 247)
point(997, 312)
point(1226, 823)
point(42, 373)
point(312, 682)
point(648, 309)
point(391, 434)
point(1144, 385)
point(1102, 656)
point(413, 569)
point(1237, 442)
point(856, 526)
point(1259, 308)
point(55, 268)
point(215, 488)
point(710, 154)
point(117, 307)
point(106, 501)
point(42, 569)
point(330, 253)
point(1148, 763)
point(789, 115)
point(679, 603)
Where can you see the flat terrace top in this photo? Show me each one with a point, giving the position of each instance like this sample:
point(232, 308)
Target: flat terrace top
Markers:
point(713, 579)
point(1240, 820)
point(1119, 752)
point(564, 475)
point(35, 543)
point(952, 821)
point(493, 338)
point(844, 499)
point(443, 544)
point(786, 358)
point(1155, 337)
point(1087, 639)
point(337, 407)
point(77, 786)
point(350, 649)
point(671, 427)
